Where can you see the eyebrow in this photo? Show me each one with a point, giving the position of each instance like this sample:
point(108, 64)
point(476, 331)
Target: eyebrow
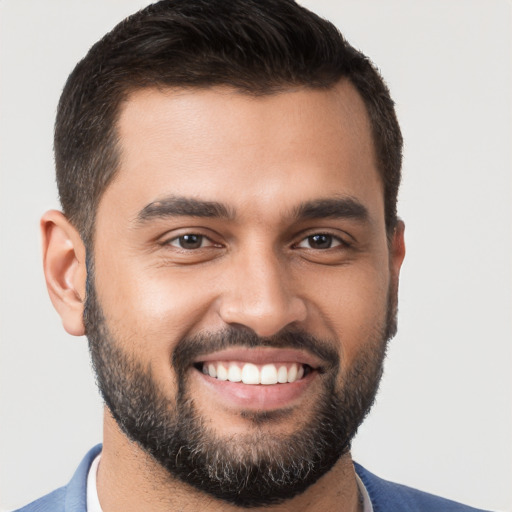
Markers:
point(176, 206)
point(334, 208)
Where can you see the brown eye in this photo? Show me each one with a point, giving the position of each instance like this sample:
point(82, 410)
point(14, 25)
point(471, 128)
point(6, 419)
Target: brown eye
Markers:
point(191, 241)
point(320, 241)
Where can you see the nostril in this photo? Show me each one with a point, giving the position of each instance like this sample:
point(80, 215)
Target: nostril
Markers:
point(264, 309)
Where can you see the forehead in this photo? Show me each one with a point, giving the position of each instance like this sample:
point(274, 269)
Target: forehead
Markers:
point(248, 151)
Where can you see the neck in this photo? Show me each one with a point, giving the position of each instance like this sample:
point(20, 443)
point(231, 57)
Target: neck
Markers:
point(131, 480)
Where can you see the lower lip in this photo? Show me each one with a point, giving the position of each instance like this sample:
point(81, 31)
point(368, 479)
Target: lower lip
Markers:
point(257, 396)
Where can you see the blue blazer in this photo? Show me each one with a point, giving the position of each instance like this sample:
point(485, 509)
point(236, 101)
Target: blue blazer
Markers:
point(385, 496)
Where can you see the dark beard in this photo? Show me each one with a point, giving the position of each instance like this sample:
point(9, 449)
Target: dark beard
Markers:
point(249, 470)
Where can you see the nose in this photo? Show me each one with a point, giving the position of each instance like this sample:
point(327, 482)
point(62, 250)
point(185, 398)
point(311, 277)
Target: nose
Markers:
point(259, 294)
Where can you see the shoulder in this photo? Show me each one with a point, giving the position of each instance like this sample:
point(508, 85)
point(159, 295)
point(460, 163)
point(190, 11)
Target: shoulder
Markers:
point(53, 502)
point(388, 496)
point(70, 498)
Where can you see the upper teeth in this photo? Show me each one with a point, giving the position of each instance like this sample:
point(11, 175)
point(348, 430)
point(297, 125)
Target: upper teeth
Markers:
point(249, 373)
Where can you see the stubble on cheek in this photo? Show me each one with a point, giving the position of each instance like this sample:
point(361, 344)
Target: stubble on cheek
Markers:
point(261, 465)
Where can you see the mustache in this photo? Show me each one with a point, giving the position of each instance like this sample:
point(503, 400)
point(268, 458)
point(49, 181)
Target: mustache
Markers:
point(189, 349)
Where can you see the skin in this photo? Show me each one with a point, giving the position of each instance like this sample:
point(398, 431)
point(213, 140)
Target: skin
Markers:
point(261, 158)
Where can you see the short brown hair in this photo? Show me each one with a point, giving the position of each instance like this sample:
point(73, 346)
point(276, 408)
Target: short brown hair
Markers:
point(255, 46)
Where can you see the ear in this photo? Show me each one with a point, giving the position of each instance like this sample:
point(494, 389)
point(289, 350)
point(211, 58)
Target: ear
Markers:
point(397, 251)
point(64, 269)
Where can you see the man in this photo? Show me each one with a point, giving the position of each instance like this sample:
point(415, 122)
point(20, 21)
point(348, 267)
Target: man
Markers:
point(228, 172)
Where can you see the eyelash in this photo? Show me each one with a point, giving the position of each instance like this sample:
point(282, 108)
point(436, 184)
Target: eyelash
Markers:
point(331, 239)
point(178, 239)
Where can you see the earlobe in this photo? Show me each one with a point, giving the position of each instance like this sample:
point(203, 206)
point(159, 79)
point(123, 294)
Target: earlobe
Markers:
point(64, 269)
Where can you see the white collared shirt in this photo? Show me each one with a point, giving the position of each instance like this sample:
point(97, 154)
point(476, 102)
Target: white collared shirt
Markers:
point(367, 504)
point(93, 503)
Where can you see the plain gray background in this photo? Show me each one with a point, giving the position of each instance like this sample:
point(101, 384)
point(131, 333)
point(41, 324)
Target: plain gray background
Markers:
point(443, 419)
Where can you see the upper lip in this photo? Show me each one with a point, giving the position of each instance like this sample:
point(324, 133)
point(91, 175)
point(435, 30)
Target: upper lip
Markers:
point(262, 355)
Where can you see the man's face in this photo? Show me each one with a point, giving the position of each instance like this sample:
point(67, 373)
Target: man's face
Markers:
point(243, 238)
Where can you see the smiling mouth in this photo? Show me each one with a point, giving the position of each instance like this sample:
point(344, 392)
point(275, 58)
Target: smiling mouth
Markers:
point(254, 374)
point(258, 378)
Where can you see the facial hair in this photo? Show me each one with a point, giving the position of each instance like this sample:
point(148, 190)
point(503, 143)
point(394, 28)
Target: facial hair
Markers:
point(259, 468)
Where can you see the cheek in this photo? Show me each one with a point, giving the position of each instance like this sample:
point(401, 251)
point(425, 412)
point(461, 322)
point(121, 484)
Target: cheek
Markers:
point(149, 310)
point(351, 303)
